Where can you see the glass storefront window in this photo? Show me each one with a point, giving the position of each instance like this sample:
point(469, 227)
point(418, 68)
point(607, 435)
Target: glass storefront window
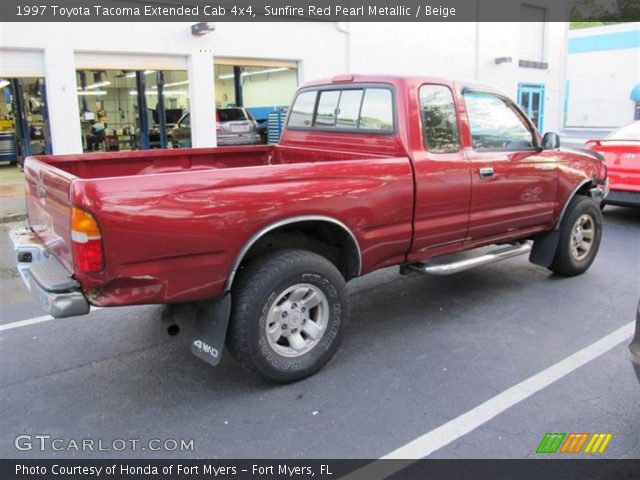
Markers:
point(24, 127)
point(113, 118)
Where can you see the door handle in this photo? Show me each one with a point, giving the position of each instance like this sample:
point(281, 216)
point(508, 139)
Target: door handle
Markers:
point(486, 172)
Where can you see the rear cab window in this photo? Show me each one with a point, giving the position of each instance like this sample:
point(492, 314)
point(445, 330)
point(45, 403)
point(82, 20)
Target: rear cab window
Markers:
point(353, 108)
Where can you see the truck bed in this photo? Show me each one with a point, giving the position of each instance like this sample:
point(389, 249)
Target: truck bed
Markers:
point(174, 221)
point(122, 164)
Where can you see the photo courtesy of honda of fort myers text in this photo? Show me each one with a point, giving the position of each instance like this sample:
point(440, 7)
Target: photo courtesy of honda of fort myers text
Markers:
point(319, 239)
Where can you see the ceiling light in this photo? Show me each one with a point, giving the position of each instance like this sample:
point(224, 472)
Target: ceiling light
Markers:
point(133, 74)
point(255, 72)
point(165, 93)
point(175, 84)
point(92, 92)
point(97, 85)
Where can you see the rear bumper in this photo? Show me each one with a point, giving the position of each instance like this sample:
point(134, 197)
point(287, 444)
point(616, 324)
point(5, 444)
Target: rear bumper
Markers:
point(248, 139)
point(634, 348)
point(622, 198)
point(46, 278)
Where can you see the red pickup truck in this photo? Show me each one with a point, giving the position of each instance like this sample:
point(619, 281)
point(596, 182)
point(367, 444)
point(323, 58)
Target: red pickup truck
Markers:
point(371, 171)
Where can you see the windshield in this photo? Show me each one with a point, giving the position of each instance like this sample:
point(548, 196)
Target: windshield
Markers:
point(628, 132)
point(185, 120)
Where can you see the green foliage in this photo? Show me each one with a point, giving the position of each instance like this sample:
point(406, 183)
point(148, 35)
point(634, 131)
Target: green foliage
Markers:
point(577, 25)
point(590, 13)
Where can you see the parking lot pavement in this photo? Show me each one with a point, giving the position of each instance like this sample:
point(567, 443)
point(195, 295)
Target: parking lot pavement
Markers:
point(601, 397)
point(420, 351)
point(12, 203)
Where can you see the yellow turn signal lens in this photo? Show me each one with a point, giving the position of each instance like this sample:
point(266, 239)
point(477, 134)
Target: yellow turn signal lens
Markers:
point(83, 222)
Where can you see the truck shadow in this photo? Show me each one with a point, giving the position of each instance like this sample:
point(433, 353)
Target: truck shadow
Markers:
point(621, 215)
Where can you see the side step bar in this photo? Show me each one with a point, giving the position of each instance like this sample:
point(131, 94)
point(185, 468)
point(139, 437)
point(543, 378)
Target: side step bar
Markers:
point(502, 253)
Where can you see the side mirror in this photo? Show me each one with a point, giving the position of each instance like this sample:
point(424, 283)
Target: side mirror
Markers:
point(550, 141)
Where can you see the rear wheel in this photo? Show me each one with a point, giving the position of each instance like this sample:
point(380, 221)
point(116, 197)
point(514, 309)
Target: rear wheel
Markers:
point(580, 234)
point(288, 314)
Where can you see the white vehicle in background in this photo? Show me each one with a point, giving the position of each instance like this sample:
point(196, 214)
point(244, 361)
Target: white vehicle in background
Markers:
point(235, 126)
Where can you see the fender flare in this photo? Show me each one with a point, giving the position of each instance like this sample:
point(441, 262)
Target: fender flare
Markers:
point(281, 223)
point(545, 244)
point(569, 198)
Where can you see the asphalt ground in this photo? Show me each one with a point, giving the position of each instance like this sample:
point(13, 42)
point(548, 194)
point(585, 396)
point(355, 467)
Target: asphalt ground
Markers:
point(12, 203)
point(419, 352)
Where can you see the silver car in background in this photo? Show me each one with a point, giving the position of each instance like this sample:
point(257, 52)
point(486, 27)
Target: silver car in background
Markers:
point(235, 126)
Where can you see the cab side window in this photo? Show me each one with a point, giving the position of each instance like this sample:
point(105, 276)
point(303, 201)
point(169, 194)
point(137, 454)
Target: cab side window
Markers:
point(439, 122)
point(376, 112)
point(496, 124)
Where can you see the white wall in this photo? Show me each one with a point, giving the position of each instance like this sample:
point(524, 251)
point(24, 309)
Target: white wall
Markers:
point(427, 49)
point(318, 48)
point(505, 37)
point(274, 89)
point(453, 50)
point(600, 82)
point(463, 51)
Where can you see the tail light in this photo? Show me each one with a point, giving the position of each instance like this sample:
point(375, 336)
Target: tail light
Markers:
point(218, 127)
point(86, 240)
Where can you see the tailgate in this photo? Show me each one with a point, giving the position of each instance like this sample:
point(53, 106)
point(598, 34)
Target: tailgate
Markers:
point(49, 207)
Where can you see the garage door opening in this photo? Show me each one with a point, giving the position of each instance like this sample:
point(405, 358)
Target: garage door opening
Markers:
point(130, 109)
point(24, 128)
point(262, 88)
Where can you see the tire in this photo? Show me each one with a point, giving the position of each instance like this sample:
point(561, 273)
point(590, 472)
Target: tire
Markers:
point(576, 251)
point(271, 332)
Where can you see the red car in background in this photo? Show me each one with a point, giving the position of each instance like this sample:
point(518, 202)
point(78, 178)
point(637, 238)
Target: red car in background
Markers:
point(621, 150)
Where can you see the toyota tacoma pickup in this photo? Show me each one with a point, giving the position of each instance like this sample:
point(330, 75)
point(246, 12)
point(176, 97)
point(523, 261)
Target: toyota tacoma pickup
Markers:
point(371, 172)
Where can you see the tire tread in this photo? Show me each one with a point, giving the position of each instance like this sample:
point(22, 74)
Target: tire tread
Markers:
point(252, 281)
point(563, 263)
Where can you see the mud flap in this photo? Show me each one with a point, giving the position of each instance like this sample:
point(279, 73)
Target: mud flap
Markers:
point(212, 320)
point(544, 248)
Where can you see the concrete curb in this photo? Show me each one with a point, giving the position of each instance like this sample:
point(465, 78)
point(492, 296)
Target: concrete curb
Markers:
point(13, 217)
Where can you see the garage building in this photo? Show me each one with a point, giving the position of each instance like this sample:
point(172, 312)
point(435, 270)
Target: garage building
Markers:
point(135, 82)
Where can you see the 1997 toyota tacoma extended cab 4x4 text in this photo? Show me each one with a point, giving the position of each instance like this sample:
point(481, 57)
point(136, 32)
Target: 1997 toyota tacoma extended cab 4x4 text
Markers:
point(371, 171)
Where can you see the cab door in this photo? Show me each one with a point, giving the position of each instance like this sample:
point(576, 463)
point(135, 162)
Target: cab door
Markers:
point(513, 183)
point(442, 176)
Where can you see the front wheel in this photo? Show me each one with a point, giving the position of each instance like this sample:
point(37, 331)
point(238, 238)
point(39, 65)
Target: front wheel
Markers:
point(580, 234)
point(288, 315)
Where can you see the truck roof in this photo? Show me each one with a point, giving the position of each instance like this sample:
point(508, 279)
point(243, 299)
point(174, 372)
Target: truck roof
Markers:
point(400, 80)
